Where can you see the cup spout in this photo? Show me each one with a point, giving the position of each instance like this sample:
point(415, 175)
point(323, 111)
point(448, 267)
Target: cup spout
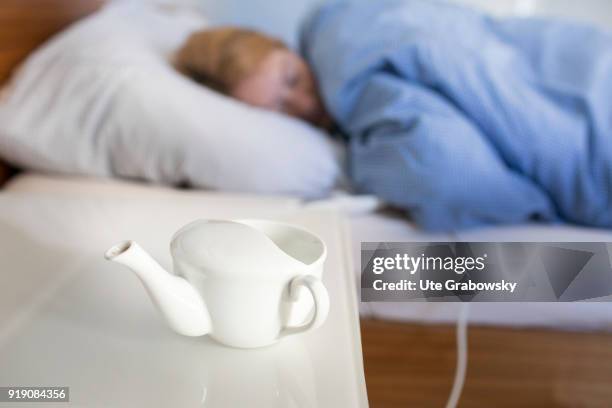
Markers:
point(174, 297)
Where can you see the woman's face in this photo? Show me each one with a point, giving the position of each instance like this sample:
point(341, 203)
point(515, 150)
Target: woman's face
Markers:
point(283, 82)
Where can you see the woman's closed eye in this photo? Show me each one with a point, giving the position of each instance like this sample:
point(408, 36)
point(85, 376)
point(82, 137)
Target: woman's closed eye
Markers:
point(281, 104)
point(292, 79)
point(292, 75)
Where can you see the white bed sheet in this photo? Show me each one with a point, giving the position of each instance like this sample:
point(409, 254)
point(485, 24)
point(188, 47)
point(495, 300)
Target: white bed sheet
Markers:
point(380, 226)
point(571, 316)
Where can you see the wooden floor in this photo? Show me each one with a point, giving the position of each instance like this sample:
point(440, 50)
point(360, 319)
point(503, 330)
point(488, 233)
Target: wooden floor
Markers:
point(410, 365)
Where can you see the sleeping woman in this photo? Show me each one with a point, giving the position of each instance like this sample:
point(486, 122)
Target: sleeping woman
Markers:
point(255, 69)
point(460, 118)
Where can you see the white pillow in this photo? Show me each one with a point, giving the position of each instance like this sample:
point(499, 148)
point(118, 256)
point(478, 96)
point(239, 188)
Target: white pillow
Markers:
point(103, 99)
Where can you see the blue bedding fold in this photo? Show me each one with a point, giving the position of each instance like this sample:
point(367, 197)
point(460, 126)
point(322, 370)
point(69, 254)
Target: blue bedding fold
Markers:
point(464, 119)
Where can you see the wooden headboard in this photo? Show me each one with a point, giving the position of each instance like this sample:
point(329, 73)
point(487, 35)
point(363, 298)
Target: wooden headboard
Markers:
point(25, 24)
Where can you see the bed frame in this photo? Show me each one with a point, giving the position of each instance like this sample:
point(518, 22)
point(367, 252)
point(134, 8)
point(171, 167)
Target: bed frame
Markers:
point(412, 365)
point(25, 24)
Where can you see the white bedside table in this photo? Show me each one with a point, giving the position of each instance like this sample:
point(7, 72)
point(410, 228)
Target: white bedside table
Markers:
point(69, 318)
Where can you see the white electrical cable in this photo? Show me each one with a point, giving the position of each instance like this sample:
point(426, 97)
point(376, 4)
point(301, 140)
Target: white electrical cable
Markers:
point(462, 355)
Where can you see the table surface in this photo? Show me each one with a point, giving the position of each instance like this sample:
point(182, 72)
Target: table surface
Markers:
point(70, 318)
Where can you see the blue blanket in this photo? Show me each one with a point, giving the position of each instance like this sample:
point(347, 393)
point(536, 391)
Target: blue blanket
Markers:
point(464, 119)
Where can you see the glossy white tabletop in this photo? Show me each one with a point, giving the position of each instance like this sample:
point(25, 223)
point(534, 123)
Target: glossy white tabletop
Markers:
point(70, 318)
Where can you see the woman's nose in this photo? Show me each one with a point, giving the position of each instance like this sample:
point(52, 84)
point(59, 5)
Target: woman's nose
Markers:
point(302, 105)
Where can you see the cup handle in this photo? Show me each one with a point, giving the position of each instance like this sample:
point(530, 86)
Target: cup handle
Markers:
point(321, 302)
